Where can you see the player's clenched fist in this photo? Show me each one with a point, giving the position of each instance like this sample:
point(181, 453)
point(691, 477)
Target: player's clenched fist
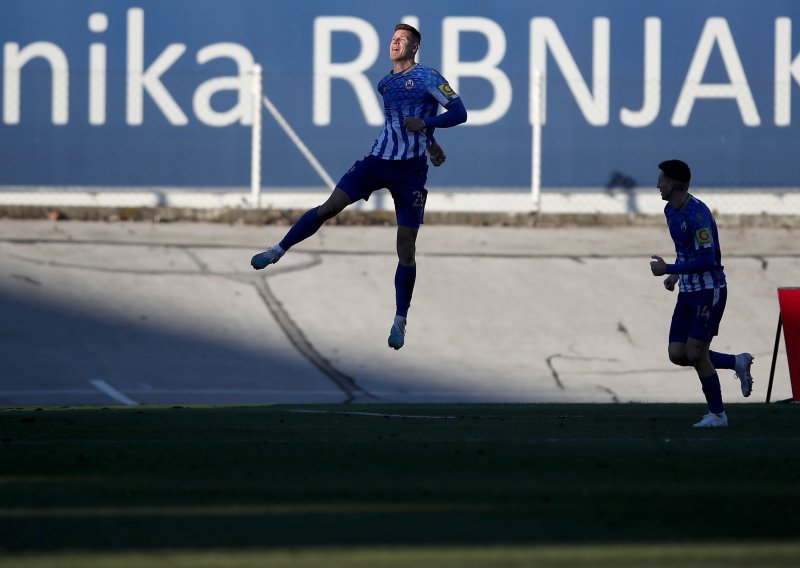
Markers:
point(658, 266)
point(437, 154)
point(413, 124)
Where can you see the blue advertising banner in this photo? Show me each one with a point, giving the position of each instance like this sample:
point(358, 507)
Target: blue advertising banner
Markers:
point(157, 93)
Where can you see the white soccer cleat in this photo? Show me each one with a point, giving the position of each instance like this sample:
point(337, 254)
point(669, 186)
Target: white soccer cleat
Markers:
point(741, 371)
point(264, 259)
point(712, 420)
point(397, 335)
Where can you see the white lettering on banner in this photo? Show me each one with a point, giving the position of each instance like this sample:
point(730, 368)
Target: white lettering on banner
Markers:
point(544, 34)
point(98, 23)
point(141, 80)
point(786, 69)
point(354, 72)
point(453, 68)
point(545, 40)
point(15, 59)
point(652, 79)
point(243, 109)
point(716, 31)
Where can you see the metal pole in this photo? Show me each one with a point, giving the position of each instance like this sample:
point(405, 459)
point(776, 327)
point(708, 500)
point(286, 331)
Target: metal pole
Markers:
point(774, 356)
point(536, 141)
point(255, 157)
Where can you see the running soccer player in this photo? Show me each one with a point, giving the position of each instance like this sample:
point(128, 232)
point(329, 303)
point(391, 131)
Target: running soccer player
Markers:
point(411, 94)
point(702, 291)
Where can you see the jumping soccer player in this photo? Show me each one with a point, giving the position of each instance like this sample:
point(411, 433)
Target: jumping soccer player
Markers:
point(411, 94)
point(702, 291)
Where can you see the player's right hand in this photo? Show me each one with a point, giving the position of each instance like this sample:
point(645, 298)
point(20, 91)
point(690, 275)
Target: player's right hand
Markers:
point(414, 124)
point(657, 265)
point(437, 154)
point(670, 281)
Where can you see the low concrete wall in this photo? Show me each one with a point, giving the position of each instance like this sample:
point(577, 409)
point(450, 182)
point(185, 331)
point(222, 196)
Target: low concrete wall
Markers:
point(172, 313)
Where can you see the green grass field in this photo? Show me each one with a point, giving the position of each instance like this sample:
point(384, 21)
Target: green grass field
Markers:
point(399, 485)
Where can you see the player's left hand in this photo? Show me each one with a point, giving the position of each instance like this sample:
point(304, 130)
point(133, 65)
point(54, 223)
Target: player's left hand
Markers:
point(657, 266)
point(437, 154)
point(413, 124)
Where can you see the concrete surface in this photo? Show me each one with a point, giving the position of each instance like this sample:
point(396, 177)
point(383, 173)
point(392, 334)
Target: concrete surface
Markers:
point(125, 313)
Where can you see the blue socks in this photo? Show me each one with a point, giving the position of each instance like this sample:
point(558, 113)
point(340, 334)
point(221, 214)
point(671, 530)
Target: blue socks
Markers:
point(306, 226)
point(713, 393)
point(711, 387)
point(722, 360)
point(404, 279)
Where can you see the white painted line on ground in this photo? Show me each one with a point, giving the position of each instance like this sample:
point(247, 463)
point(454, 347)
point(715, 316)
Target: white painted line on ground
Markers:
point(379, 414)
point(113, 393)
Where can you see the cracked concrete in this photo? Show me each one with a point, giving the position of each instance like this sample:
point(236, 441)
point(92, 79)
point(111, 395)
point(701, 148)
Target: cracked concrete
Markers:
point(173, 314)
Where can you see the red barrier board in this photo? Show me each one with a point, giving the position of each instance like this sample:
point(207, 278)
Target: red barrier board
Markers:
point(789, 299)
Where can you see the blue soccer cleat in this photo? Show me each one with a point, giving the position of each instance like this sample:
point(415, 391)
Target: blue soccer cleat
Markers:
point(264, 259)
point(397, 335)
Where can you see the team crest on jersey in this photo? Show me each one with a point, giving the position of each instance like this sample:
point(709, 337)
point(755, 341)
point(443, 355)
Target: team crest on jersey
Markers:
point(447, 90)
point(703, 237)
point(409, 84)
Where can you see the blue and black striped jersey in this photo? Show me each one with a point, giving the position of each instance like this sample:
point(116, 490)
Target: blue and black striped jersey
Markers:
point(417, 92)
point(694, 233)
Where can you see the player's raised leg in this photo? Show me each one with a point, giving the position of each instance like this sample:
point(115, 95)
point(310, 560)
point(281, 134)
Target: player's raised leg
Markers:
point(306, 226)
point(404, 279)
point(740, 365)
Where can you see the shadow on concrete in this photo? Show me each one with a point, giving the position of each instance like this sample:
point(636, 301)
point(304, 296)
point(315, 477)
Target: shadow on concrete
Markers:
point(54, 355)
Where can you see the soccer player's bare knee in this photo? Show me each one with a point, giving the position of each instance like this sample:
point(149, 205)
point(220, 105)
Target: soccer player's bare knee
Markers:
point(407, 257)
point(334, 205)
point(406, 245)
point(679, 360)
point(698, 356)
point(693, 357)
point(677, 354)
